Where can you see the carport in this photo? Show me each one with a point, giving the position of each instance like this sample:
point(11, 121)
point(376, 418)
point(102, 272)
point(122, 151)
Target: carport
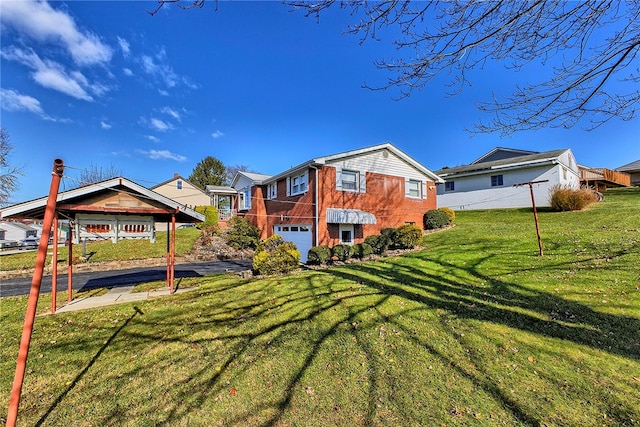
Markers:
point(116, 208)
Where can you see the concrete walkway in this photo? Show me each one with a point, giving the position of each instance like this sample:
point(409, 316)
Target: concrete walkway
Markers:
point(116, 295)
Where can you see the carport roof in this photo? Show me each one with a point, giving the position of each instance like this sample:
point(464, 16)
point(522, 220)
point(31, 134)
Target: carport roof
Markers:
point(82, 200)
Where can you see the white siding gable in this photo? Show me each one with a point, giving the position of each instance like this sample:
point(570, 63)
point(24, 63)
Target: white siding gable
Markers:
point(381, 162)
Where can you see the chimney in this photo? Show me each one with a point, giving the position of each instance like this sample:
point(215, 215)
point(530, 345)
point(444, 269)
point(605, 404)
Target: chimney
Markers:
point(175, 176)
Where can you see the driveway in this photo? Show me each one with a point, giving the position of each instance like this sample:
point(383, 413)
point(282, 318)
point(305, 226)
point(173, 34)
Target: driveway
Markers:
point(117, 278)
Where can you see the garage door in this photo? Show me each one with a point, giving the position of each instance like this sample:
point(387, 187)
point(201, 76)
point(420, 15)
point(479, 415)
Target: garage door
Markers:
point(298, 234)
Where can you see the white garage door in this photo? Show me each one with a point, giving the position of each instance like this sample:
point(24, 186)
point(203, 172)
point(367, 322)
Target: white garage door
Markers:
point(299, 235)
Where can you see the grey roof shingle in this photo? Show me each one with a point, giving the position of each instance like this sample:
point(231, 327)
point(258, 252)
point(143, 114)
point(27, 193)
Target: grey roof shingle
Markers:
point(478, 167)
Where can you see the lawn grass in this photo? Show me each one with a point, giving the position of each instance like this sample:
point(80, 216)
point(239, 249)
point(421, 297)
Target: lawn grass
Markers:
point(476, 329)
point(124, 250)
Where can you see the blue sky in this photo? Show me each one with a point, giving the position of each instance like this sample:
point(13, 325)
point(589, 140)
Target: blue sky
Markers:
point(252, 83)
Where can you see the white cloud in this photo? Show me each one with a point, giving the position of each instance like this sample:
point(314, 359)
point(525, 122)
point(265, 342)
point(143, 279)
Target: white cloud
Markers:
point(152, 138)
point(160, 125)
point(14, 101)
point(159, 71)
point(163, 155)
point(124, 46)
point(163, 92)
point(127, 72)
point(38, 20)
point(105, 125)
point(52, 75)
point(171, 112)
point(217, 134)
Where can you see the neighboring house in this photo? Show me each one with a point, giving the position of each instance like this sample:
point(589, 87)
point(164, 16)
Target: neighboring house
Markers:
point(16, 231)
point(224, 199)
point(633, 169)
point(489, 182)
point(340, 198)
point(183, 192)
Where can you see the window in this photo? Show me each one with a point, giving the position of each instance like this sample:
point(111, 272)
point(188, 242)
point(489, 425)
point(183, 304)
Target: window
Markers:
point(244, 199)
point(272, 191)
point(496, 180)
point(346, 234)
point(349, 180)
point(449, 186)
point(179, 184)
point(414, 188)
point(297, 184)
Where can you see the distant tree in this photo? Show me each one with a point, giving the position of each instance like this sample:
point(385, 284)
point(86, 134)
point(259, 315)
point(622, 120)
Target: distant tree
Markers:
point(587, 46)
point(8, 173)
point(231, 172)
point(209, 171)
point(96, 173)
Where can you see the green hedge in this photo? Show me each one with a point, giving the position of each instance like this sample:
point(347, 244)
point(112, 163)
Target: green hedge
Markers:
point(241, 234)
point(435, 219)
point(342, 252)
point(407, 236)
point(379, 243)
point(362, 250)
point(275, 256)
point(318, 255)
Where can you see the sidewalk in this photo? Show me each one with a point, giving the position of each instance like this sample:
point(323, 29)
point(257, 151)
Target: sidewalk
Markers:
point(116, 295)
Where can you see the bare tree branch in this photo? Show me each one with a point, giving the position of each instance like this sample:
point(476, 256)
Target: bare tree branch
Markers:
point(9, 173)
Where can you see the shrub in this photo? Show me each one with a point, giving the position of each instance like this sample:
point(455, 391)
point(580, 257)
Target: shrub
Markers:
point(241, 234)
point(275, 256)
point(318, 255)
point(379, 243)
point(210, 216)
point(362, 250)
point(435, 219)
point(342, 252)
point(407, 236)
point(450, 213)
point(565, 198)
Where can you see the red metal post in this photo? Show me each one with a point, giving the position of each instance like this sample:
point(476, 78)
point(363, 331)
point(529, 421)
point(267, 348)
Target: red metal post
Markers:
point(32, 305)
point(168, 256)
point(535, 216)
point(54, 265)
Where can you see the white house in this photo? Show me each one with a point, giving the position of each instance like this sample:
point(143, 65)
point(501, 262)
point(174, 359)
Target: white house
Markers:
point(16, 231)
point(490, 181)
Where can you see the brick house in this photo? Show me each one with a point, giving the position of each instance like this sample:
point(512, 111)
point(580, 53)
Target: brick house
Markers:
point(340, 198)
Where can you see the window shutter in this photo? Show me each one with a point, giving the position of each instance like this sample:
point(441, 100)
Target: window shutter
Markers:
point(275, 190)
point(363, 182)
point(424, 190)
point(407, 193)
point(288, 186)
point(339, 179)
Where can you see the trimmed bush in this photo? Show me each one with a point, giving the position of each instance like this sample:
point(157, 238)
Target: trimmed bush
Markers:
point(241, 234)
point(210, 216)
point(362, 250)
point(450, 213)
point(434, 219)
point(565, 198)
point(379, 243)
point(342, 252)
point(318, 255)
point(275, 256)
point(407, 236)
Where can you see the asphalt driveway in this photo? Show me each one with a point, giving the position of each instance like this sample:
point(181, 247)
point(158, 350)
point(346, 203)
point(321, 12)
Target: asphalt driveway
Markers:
point(117, 278)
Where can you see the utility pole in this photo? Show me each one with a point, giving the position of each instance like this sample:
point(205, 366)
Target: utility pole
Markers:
point(535, 212)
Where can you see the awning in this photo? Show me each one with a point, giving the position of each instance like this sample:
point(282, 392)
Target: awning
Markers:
point(349, 216)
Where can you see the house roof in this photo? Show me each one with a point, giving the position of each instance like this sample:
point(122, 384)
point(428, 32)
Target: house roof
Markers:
point(318, 161)
point(255, 178)
point(502, 153)
point(19, 225)
point(165, 207)
point(220, 189)
point(175, 178)
point(630, 167)
point(519, 161)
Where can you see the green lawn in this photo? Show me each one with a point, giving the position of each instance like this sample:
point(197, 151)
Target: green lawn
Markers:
point(476, 329)
point(107, 251)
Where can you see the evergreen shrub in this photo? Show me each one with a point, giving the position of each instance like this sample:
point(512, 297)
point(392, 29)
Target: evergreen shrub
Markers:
point(275, 256)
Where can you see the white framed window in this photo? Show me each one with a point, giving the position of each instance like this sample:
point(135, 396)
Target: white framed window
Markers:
point(272, 191)
point(244, 199)
point(346, 234)
point(496, 180)
point(297, 184)
point(349, 180)
point(414, 189)
point(179, 184)
point(449, 186)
